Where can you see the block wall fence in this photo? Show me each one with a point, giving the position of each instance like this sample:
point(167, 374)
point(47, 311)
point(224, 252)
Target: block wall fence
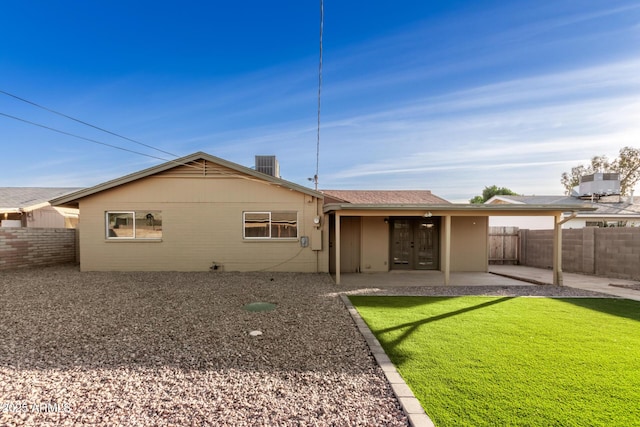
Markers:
point(27, 247)
point(607, 252)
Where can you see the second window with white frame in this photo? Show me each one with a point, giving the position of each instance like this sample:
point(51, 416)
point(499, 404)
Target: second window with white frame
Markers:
point(270, 225)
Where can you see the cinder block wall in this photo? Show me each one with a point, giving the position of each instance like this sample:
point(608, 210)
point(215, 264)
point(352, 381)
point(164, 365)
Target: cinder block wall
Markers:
point(537, 248)
point(617, 252)
point(572, 250)
point(607, 252)
point(26, 247)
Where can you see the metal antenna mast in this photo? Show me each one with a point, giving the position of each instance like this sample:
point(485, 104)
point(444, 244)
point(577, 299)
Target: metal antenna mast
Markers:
point(315, 177)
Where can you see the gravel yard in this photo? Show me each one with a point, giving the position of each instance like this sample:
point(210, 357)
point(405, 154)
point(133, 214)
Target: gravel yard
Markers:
point(174, 349)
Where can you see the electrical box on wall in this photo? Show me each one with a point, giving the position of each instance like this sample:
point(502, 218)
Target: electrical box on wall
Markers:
point(316, 240)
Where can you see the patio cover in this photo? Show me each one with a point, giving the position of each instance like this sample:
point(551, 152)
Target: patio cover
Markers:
point(561, 214)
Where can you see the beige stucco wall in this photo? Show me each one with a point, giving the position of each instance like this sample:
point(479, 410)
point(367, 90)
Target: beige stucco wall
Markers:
point(469, 243)
point(202, 225)
point(375, 245)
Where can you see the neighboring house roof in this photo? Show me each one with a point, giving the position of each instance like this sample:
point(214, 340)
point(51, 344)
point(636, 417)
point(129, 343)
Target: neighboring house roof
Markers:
point(535, 200)
point(383, 197)
point(190, 160)
point(17, 199)
point(605, 207)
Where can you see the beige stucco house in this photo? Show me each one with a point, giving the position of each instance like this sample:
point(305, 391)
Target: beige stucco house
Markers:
point(198, 213)
point(201, 212)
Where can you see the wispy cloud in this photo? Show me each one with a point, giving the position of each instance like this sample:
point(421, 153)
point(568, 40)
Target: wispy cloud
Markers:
point(551, 121)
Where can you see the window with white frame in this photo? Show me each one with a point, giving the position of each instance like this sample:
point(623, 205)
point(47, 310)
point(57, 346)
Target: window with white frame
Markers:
point(134, 224)
point(270, 225)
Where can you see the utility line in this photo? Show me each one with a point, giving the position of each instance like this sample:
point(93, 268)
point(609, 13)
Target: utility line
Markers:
point(85, 123)
point(93, 140)
point(200, 167)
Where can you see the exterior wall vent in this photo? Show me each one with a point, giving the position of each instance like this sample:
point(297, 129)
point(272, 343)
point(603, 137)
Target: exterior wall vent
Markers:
point(599, 184)
point(268, 165)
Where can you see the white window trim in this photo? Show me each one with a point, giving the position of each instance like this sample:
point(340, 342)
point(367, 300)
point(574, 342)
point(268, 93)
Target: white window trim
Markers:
point(244, 222)
point(133, 214)
point(244, 217)
point(106, 217)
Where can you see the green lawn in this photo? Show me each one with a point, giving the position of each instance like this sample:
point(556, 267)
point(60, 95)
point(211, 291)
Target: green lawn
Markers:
point(514, 361)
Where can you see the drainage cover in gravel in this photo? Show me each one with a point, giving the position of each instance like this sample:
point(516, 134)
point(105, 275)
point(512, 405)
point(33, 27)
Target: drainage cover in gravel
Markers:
point(260, 306)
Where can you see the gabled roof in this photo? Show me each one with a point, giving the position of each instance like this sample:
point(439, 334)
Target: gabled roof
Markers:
point(383, 197)
point(72, 199)
point(14, 199)
point(613, 205)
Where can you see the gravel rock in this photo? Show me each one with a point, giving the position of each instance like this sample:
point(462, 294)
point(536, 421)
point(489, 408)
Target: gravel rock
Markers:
point(174, 349)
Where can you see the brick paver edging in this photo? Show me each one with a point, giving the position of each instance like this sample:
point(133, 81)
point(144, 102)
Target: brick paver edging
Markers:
point(410, 405)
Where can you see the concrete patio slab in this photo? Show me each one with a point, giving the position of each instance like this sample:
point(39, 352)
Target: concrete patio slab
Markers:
point(424, 278)
point(580, 281)
point(498, 275)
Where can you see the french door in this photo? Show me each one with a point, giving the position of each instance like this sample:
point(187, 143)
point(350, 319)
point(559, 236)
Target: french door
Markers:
point(414, 244)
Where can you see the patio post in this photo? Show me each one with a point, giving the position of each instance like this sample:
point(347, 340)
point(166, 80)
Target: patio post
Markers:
point(557, 250)
point(446, 262)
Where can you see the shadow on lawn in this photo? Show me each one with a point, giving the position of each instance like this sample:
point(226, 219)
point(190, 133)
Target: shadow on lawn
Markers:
point(413, 326)
point(613, 306)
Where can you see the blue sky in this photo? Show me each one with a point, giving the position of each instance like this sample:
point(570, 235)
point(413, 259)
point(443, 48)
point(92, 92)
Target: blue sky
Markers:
point(450, 96)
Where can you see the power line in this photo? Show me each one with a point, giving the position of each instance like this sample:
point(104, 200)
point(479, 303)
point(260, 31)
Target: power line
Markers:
point(92, 140)
point(84, 123)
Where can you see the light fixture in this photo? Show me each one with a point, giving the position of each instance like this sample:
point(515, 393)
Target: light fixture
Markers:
point(386, 220)
point(428, 215)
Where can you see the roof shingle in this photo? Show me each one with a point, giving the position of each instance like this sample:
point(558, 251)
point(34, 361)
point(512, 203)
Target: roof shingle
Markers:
point(23, 197)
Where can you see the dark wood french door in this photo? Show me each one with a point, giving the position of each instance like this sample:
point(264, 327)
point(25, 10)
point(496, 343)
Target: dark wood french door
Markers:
point(414, 243)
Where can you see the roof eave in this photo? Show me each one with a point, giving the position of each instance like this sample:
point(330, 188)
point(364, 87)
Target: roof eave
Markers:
point(608, 216)
point(10, 210)
point(459, 207)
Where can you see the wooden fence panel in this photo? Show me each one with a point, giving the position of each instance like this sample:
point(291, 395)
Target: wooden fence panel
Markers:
point(504, 244)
